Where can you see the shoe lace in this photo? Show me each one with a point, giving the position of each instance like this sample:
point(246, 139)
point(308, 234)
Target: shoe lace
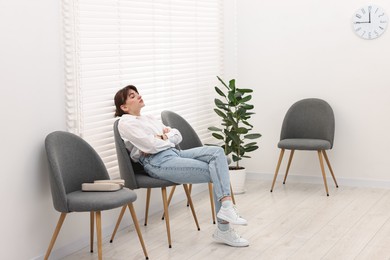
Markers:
point(234, 234)
point(236, 211)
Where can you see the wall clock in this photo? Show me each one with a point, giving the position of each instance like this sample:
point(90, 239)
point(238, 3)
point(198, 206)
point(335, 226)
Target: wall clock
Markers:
point(369, 22)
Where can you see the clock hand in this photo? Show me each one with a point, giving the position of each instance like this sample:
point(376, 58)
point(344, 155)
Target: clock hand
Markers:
point(362, 22)
point(369, 16)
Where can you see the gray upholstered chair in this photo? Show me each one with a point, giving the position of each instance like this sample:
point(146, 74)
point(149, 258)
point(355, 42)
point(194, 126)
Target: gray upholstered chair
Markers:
point(308, 125)
point(190, 140)
point(136, 178)
point(72, 162)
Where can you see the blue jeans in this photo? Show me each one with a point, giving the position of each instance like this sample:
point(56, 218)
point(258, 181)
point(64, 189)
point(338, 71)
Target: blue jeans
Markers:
point(197, 165)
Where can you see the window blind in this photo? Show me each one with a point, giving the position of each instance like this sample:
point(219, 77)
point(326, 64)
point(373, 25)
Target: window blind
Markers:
point(170, 50)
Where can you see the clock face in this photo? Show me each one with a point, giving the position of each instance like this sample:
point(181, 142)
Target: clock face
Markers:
point(369, 22)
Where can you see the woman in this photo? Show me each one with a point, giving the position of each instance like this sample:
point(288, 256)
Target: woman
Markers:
point(153, 145)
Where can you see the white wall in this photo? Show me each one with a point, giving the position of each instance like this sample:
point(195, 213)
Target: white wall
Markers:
point(31, 106)
point(290, 50)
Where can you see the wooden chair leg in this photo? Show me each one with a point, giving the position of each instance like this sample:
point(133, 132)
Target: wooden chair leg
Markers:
point(99, 234)
point(165, 202)
point(55, 234)
point(277, 168)
point(170, 198)
point(323, 171)
point(190, 190)
point(187, 191)
point(288, 165)
point(148, 191)
point(212, 201)
point(330, 167)
point(171, 194)
point(232, 194)
point(136, 225)
point(92, 228)
point(117, 223)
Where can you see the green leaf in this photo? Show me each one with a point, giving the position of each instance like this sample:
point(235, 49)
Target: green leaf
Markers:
point(246, 123)
point(219, 112)
point(242, 130)
point(219, 103)
point(234, 138)
point(237, 95)
point(213, 128)
point(218, 136)
point(232, 84)
point(231, 119)
point(245, 99)
point(222, 82)
point(228, 150)
point(247, 106)
point(220, 92)
point(227, 139)
point(250, 113)
point(244, 90)
point(251, 148)
point(232, 99)
point(250, 144)
point(241, 112)
point(235, 158)
point(252, 136)
point(227, 124)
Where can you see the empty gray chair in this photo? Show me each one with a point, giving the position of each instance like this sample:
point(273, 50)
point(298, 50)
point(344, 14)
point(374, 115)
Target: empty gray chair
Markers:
point(72, 162)
point(190, 140)
point(135, 178)
point(309, 124)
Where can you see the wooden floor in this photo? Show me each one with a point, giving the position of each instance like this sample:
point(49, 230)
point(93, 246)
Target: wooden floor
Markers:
point(296, 221)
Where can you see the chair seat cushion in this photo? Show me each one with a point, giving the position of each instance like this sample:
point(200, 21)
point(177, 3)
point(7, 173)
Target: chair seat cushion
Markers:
point(80, 201)
point(145, 181)
point(304, 144)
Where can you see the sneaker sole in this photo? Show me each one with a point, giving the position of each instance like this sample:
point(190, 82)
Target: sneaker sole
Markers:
point(230, 243)
point(232, 221)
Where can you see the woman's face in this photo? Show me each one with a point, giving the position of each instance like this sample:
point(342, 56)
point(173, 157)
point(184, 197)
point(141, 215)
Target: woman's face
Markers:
point(133, 103)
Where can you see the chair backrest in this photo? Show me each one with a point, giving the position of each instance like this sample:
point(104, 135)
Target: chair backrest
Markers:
point(127, 168)
point(72, 162)
point(190, 137)
point(310, 118)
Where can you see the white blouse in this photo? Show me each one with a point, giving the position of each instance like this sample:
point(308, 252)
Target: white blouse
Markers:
point(139, 134)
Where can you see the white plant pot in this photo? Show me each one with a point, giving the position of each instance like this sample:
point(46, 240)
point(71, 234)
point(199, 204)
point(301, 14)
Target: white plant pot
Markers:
point(237, 179)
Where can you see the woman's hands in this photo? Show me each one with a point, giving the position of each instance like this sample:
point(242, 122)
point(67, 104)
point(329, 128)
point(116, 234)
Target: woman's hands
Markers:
point(164, 136)
point(166, 130)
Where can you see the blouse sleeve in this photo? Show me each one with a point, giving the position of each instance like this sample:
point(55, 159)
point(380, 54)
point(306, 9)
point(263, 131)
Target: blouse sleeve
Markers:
point(174, 136)
point(134, 132)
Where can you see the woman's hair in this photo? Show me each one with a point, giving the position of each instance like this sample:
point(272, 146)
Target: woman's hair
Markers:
point(120, 99)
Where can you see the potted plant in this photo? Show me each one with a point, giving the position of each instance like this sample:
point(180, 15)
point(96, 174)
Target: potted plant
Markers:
point(235, 113)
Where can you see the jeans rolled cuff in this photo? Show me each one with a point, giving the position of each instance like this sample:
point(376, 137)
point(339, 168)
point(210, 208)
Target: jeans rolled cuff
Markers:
point(224, 195)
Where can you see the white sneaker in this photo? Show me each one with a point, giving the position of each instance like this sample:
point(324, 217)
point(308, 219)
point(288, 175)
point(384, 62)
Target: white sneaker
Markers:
point(230, 237)
point(230, 214)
